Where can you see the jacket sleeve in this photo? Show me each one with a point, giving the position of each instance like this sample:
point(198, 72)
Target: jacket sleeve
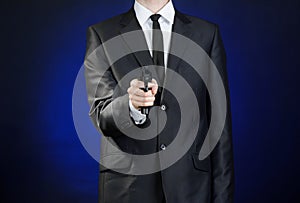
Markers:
point(222, 155)
point(108, 110)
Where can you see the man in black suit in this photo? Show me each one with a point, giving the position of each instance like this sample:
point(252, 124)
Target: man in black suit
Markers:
point(116, 105)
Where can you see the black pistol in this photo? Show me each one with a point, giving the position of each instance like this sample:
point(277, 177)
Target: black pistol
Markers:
point(146, 78)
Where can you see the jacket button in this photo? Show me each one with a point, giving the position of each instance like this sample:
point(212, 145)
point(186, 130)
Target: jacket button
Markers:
point(163, 147)
point(163, 107)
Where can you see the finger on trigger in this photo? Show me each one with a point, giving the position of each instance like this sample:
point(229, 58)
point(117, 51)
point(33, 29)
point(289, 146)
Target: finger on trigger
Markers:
point(154, 87)
point(154, 81)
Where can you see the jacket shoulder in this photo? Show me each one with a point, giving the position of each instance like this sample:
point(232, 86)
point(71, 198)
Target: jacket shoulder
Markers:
point(108, 28)
point(203, 31)
point(202, 24)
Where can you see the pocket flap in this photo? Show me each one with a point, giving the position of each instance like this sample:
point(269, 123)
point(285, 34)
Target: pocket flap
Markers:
point(115, 162)
point(203, 165)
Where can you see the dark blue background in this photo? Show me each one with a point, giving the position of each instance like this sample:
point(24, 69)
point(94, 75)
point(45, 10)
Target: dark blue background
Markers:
point(42, 49)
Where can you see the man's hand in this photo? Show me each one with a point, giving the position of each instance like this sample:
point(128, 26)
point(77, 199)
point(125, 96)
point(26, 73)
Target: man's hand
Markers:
point(140, 98)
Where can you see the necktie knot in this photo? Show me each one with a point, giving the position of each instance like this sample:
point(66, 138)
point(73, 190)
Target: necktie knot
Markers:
point(155, 17)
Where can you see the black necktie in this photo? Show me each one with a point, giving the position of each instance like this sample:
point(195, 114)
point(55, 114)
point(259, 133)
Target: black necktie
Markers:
point(158, 55)
point(158, 47)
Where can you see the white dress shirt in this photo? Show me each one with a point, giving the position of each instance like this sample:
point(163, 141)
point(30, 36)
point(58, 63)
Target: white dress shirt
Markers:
point(166, 22)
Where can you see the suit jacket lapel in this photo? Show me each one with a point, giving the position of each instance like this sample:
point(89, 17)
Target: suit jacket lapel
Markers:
point(180, 27)
point(136, 41)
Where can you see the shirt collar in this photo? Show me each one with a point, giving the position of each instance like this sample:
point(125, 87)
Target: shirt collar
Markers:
point(168, 12)
point(143, 14)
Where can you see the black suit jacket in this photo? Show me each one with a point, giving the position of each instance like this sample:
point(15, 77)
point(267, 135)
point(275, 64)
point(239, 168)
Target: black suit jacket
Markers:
point(189, 179)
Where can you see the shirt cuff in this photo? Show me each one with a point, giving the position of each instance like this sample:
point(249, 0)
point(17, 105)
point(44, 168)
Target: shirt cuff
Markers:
point(137, 116)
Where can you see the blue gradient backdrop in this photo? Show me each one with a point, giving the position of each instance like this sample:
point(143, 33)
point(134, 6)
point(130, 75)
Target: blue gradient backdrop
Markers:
point(43, 45)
